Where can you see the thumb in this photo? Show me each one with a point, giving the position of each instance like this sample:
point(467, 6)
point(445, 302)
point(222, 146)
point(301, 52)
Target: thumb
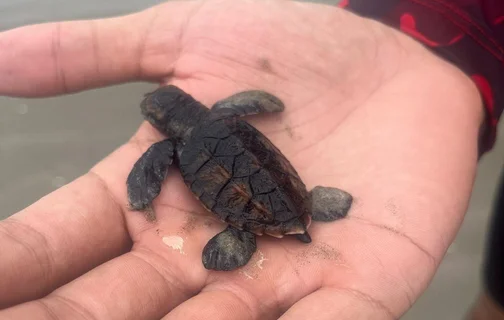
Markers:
point(65, 57)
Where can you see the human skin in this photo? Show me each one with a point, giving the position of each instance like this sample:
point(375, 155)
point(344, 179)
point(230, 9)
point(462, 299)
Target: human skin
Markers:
point(485, 308)
point(368, 110)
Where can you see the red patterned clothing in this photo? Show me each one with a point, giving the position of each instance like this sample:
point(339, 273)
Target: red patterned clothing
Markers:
point(468, 33)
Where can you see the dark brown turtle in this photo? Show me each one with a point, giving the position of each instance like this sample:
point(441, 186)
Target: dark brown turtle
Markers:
point(233, 169)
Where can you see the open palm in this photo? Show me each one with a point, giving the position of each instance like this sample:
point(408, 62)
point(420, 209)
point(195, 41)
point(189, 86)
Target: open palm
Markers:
point(368, 110)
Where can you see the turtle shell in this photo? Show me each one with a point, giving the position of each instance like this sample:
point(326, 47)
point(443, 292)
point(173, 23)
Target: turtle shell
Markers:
point(238, 174)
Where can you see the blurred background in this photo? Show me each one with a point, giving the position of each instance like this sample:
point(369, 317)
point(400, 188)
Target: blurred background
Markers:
point(45, 143)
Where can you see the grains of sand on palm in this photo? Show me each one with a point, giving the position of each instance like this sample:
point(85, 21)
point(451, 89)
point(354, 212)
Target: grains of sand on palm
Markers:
point(261, 260)
point(174, 242)
point(251, 272)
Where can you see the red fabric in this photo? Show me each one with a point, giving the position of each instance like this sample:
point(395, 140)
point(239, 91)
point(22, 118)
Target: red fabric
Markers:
point(468, 33)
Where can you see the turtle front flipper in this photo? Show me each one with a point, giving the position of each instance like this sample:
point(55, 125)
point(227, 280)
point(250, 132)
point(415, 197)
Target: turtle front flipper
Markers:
point(228, 250)
point(248, 103)
point(145, 179)
point(330, 204)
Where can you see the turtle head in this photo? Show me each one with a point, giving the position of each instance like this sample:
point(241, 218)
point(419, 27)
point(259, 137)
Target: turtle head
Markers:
point(172, 111)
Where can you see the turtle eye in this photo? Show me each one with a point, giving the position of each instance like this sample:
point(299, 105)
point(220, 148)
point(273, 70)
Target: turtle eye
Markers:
point(168, 97)
point(157, 104)
point(161, 98)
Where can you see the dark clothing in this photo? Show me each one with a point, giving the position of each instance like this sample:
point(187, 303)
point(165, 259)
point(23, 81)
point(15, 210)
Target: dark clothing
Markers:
point(468, 33)
point(494, 264)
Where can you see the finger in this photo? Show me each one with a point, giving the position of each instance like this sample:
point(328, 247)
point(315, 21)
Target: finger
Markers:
point(145, 283)
point(59, 238)
point(56, 58)
point(128, 287)
point(268, 285)
point(220, 304)
point(70, 231)
point(348, 293)
point(334, 303)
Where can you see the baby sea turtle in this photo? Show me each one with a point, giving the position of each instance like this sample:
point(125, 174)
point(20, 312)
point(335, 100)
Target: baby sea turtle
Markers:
point(233, 169)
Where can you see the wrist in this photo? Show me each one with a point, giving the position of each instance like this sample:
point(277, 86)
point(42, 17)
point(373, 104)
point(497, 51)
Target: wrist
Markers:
point(453, 96)
point(462, 35)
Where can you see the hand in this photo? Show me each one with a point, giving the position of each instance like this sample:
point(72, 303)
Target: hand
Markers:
point(368, 110)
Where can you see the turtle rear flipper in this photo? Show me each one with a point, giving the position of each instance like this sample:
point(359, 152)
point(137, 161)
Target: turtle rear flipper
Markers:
point(330, 204)
point(228, 250)
point(145, 179)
